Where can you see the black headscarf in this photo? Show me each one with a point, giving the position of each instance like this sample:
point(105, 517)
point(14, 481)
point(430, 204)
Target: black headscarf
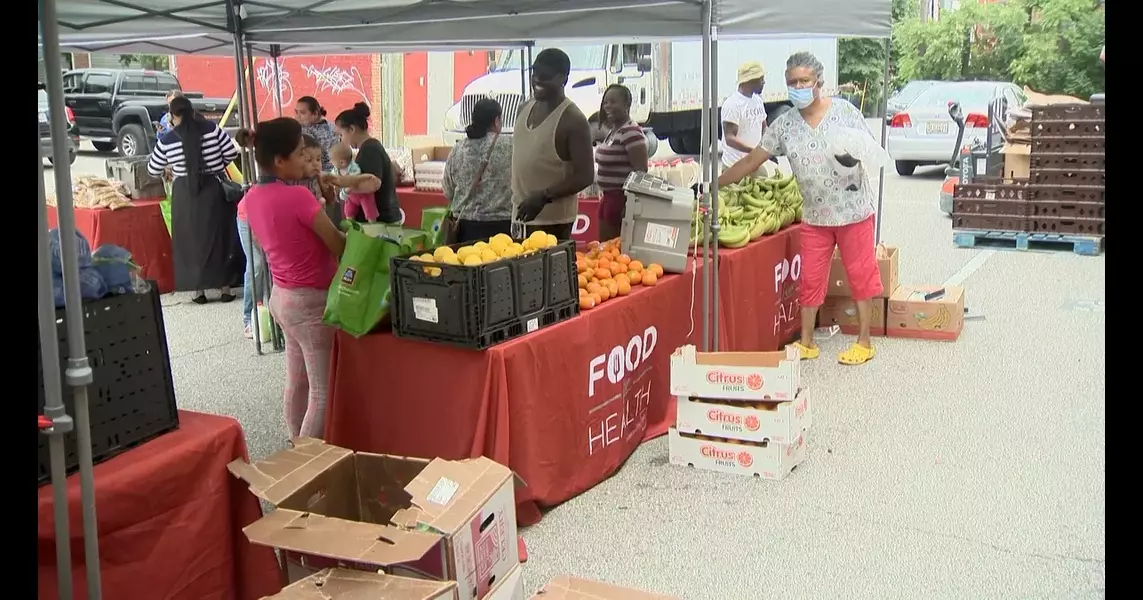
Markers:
point(192, 126)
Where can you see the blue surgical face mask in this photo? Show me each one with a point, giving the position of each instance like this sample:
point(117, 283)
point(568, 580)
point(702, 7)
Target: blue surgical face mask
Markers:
point(800, 97)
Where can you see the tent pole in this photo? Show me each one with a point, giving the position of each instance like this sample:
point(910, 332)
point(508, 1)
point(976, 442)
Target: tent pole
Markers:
point(53, 396)
point(523, 77)
point(714, 126)
point(78, 373)
point(251, 76)
point(275, 52)
point(884, 134)
point(709, 173)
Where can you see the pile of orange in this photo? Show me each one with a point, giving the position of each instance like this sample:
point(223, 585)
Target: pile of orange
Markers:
point(605, 273)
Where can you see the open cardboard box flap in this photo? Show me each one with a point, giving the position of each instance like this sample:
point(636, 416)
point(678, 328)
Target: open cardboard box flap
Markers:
point(345, 584)
point(447, 493)
point(353, 541)
point(574, 588)
point(284, 473)
point(691, 355)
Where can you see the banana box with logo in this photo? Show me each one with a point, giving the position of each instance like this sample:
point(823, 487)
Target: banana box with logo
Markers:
point(758, 376)
point(926, 312)
point(767, 460)
point(770, 422)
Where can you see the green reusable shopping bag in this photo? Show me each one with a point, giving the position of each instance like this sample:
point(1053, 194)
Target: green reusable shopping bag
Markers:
point(165, 207)
point(358, 297)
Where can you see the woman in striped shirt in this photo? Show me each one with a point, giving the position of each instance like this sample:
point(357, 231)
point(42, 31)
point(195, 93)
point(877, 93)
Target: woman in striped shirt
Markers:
point(623, 150)
point(204, 232)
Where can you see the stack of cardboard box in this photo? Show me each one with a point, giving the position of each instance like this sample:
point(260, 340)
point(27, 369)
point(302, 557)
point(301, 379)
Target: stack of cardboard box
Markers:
point(839, 309)
point(743, 413)
point(440, 520)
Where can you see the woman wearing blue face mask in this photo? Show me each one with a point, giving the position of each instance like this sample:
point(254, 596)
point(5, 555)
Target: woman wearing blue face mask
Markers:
point(838, 200)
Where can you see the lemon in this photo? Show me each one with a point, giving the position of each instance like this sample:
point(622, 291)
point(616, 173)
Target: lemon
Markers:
point(471, 260)
point(465, 251)
point(434, 271)
point(526, 245)
point(415, 258)
point(480, 245)
point(501, 237)
point(519, 249)
point(441, 252)
point(427, 257)
point(450, 259)
point(510, 252)
point(551, 241)
point(538, 239)
point(498, 246)
point(488, 255)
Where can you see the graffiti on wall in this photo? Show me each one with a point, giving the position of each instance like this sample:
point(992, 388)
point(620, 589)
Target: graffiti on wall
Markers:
point(338, 82)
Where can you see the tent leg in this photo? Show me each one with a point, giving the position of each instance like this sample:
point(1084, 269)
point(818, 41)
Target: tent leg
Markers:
point(714, 125)
point(247, 173)
point(523, 75)
point(78, 373)
point(53, 396)
point(709, 174)
point(251, 76)
point(884, 135)
point(275, 52)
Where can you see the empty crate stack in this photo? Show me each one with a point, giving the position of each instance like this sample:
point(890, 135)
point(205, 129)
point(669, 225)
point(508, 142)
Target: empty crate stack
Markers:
point(1066, 175)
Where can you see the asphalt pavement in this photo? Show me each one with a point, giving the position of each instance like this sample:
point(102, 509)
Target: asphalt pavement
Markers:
point(972, 469)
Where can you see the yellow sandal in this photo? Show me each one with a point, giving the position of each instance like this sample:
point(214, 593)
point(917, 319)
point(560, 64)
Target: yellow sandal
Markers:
point(856, 354)
point(807, 352)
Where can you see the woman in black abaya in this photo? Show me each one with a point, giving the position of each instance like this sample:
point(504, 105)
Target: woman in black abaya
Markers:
point(204, 233)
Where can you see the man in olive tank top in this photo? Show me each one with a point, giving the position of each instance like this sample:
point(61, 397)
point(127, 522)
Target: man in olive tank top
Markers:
point(551, 152)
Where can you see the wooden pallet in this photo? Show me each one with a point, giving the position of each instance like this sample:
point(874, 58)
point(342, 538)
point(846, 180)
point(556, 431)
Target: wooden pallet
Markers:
point(1080, 244)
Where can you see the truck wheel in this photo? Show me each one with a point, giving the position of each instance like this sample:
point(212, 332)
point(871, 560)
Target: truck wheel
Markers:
point(104, 146)
point(652, 142)
point(905, 168)
point(132, 141)
point(692, 142)
point(678, 145)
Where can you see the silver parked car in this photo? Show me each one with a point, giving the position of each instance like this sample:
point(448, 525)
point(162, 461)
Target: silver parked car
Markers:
point(925, 134)
point(46, 131)
point(901, 99)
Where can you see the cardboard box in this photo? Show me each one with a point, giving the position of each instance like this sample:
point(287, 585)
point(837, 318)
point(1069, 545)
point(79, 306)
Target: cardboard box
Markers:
point(509, 588)
point(772, 376)
point(573, 588)
point(839, 283)
point(430, 154)
point(842, 312)
point(1017, 161)
point(768, 460)
point(345, 584)
point(442, 520)
point(910, 316)
point(777, 422)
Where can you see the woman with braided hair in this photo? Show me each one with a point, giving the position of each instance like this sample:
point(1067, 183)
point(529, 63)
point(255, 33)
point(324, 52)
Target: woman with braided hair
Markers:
point(623, 150)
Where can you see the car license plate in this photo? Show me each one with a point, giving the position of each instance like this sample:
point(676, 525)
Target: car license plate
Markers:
point(43, 117)
point(936, 128)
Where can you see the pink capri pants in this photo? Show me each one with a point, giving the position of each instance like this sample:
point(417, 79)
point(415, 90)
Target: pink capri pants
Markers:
point(858, 255)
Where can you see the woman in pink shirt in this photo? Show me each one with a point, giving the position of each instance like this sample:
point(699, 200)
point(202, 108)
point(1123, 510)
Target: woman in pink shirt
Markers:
point(302, 247)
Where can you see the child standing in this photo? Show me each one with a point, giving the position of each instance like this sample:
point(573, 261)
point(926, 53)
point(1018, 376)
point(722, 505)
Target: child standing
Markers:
point(302, 247)
point(356, 190)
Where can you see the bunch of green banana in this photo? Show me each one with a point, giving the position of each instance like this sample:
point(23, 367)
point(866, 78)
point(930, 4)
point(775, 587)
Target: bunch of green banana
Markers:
point(755, 207)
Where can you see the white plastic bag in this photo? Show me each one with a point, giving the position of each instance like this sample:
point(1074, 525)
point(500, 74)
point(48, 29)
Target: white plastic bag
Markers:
point(860, 145)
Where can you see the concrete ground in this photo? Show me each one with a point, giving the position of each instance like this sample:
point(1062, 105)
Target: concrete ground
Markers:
point(972, 469)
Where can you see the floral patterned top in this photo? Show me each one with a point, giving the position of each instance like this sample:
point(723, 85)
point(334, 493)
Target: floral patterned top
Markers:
point(492, 201)
point(830, 199)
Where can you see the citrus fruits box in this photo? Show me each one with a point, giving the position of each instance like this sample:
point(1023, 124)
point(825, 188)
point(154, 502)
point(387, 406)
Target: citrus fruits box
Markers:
point(770, 376)
point(767, 460)
point(566, 587)
point(346, 583)
point(445, 520)
point(777, 422)
point(910, 315)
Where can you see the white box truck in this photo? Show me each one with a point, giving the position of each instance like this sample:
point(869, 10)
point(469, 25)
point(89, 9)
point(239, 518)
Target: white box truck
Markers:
point(665, 80)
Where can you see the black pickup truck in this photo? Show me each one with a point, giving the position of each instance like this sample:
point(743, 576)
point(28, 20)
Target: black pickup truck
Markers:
point(117, 109)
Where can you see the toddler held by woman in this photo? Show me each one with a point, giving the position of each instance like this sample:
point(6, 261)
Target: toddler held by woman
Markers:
point(356, 189)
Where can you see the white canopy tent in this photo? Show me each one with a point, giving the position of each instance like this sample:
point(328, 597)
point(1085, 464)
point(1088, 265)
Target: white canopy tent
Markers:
point(277, 27)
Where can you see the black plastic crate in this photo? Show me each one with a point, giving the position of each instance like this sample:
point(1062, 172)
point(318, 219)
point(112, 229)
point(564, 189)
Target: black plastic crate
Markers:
point(1067, 112)
point(1067, 129)
point(983, 189)
point(1067, 210)
point(131, 398)
point(1077, 226)
point(1066, 193)
point(1070, 178)
point(480, 306)
point(1068, 145)
point(973, 206)
point(1072, 162)
point(990, 222)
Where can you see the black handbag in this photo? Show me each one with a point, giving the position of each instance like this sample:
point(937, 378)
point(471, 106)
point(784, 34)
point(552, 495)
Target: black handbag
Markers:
point(232, 191)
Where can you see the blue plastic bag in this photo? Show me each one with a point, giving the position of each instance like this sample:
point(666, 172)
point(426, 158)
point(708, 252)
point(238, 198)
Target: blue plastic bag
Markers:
point(115, 265)
point(91, 286)
point(82, 251)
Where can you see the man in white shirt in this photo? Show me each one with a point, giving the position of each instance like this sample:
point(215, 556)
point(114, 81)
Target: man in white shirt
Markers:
point(744, 115)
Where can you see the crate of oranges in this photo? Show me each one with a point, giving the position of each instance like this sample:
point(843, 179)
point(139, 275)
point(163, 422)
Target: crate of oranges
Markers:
point(478, 295)
point(604, 272)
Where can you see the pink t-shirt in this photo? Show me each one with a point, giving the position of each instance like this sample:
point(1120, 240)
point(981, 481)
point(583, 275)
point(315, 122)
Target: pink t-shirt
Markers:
point(281, 217)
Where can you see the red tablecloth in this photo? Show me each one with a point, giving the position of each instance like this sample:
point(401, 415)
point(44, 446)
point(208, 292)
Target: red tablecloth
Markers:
point(565, 406)
point(758, 293)
point(170, 521)
point(413, 201)
point(140, 229)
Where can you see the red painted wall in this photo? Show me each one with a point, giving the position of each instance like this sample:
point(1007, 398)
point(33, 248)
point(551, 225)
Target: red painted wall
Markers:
point(467, 66)
point(416, 93)
point(337, 81)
